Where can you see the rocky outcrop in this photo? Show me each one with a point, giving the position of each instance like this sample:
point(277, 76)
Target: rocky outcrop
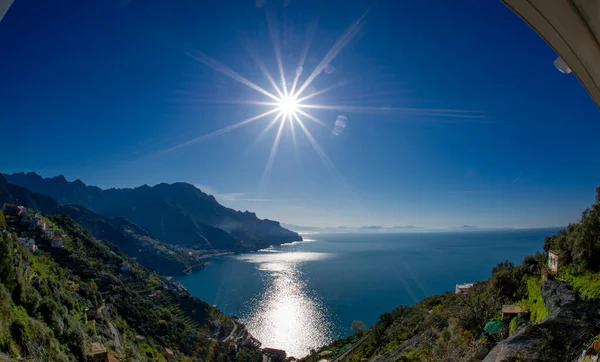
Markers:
point(571, 322)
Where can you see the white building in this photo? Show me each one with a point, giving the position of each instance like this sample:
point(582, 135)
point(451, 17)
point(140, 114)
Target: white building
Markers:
point(553, 261)
point(463, 288)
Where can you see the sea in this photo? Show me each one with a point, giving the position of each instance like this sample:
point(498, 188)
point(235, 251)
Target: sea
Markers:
point(303, 295)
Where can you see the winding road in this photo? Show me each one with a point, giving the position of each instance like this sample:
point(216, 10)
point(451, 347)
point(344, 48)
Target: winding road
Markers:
point(115, 334)
point(232, 332)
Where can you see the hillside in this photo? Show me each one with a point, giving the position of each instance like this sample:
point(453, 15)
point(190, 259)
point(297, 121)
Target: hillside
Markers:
point(178, 213)
point(551, 317)
point(132, 239)
point(65, 300)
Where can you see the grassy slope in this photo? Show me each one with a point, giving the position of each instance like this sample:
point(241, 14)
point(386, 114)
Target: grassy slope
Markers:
point(43, 301)
point(533, 302)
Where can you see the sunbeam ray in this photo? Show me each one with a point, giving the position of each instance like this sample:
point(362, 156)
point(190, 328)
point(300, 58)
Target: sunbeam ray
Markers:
point(326, 161)
point(271, 124)
point(267, 171)
point(263, 68)
point(214, 64)
point(419, 111)
point(274, 34)
point(319, 92)
point(302, 60)
point(312, 118)
point(207, 100)
point(337, 47)
point(222, 130)
point(293, 131)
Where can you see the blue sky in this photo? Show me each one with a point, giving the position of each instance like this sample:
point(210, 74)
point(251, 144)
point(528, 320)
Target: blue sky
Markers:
point(102, 90)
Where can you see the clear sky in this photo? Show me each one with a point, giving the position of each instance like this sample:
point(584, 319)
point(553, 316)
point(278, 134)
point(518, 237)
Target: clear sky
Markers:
point(107, 92)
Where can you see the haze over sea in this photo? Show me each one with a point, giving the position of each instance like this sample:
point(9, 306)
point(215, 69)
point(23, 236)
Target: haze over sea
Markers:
point(303, 295)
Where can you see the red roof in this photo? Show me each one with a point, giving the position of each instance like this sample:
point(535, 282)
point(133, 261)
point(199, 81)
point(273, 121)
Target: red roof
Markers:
point(112, 358)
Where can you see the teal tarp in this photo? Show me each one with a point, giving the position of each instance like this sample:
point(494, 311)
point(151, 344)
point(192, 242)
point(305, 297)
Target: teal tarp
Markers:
point(494, 327)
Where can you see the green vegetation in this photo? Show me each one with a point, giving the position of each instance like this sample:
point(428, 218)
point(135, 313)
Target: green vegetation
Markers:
point(55, 304)
point(2, 221)
point(512, 327)
point(449, 327)
point(578, 246)
point(534, 302)
point(587, 283)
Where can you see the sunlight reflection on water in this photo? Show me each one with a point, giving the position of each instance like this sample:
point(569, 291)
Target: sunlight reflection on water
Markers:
point(286, 315)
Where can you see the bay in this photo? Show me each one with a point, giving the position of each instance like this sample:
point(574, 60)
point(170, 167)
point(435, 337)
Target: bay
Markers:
point(303, 295)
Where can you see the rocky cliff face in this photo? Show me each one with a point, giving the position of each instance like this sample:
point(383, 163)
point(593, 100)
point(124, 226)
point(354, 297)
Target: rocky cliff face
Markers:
point(571, 322)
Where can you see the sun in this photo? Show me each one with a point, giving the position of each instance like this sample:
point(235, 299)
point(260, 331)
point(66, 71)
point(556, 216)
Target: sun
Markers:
point(288, 99)
point(288, 105)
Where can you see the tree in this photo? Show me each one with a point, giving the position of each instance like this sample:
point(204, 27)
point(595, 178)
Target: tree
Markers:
point(357, 327)
point(2, 221)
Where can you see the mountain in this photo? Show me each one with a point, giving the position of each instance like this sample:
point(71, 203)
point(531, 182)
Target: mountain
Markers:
point(21, 195)
point(178, 213)
point(130, 238)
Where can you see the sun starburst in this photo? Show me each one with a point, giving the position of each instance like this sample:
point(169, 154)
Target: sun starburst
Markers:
point(288, 105)
point(288, 101)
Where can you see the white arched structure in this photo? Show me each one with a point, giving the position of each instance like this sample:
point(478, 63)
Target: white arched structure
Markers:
point(4, 5)
point(572, 29)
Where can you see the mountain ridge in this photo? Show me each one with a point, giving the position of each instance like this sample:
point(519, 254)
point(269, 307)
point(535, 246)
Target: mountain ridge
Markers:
point(130, 238)
point(177, 213)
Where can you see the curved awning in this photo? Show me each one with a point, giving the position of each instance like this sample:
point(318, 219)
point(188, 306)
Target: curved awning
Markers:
point(4, 5)
point(572, 28)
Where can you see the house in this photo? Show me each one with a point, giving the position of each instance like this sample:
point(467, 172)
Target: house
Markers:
point(112, 358)
point(509, 311)
point(47, 234)
point(98, 353)
point(124, 267)
point(21, 210)
point(37, 223)
point(56, 243)
point(29, 243)
point(553, 261)
point(463, 288)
